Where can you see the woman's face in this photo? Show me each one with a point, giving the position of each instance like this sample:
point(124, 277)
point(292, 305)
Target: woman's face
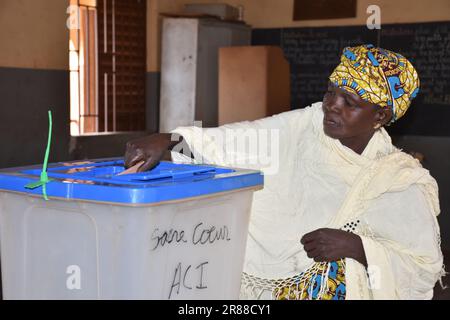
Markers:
point(347, 116)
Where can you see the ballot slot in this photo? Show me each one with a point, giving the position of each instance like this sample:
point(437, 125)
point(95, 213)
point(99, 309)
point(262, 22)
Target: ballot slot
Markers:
point(108, 172)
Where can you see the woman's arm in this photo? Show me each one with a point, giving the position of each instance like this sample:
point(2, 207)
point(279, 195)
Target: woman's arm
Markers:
point(242, 144)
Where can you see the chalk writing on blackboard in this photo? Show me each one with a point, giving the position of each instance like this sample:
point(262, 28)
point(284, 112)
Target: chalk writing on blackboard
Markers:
point(428, 48)
point(313, 53)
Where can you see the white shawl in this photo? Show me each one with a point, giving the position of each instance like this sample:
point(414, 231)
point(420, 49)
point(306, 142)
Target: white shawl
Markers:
point(313, 181)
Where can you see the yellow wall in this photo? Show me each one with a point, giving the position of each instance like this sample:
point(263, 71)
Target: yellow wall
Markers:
point(278, 14)
point(33, 34)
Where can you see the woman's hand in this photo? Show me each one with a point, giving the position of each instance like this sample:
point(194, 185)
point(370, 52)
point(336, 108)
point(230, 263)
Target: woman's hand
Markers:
point(325, 245)
point(150, 149)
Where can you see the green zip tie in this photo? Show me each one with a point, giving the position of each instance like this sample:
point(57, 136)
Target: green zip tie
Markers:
point(44, 177)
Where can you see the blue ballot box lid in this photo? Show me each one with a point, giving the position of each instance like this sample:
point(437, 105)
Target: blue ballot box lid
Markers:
point(98, 180)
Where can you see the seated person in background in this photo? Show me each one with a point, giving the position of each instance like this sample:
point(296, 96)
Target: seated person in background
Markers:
point(344, 214)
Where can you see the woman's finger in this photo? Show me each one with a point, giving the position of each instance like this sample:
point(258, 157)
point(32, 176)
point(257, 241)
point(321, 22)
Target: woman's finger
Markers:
point(310, 246)
point(133, 156)
point(309, 237)
point(149, 164)
point(313, 253)
point(319, 258)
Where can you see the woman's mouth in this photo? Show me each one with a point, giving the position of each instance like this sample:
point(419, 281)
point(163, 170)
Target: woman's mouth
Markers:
point(330, 121)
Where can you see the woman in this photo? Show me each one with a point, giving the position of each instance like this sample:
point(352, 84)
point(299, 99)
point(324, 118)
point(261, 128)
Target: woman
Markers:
point(346, 215)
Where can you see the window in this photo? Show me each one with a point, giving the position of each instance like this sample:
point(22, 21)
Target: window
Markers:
point(107, 67)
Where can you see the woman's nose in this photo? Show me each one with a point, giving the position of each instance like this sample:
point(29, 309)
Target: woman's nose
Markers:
point(338, 103)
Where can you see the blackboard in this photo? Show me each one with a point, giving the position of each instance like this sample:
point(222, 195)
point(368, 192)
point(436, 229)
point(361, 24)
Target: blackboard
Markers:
point(313, 53)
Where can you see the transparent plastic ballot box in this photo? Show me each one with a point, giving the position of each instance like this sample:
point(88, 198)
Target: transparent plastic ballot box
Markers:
point(178, 231)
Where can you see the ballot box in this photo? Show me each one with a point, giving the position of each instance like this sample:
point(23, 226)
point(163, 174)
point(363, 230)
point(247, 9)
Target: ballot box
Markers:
point(178, 231)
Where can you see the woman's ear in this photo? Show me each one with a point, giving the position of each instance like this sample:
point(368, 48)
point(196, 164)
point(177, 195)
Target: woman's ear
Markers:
point(383, 115)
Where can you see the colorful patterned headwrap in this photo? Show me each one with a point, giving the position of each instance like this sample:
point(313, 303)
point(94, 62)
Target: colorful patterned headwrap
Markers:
point(379, 76)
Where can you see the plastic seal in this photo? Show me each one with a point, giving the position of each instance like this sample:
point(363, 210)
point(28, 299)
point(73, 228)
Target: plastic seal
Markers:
point(44, 177)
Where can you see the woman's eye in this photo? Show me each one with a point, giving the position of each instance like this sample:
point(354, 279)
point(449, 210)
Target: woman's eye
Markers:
point(350, 104)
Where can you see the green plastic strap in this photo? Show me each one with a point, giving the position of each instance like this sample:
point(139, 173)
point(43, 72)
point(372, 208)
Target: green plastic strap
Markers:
point(44, 177)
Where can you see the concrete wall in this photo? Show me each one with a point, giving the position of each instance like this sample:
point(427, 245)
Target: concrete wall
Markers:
point(100, 146)
point(25, 97)
point(278, 14)
point(33, 79)
point(34, 34)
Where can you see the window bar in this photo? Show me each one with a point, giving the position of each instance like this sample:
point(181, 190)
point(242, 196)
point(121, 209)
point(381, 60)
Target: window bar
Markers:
point(96, 70)
point(74, 63)
point(105, 27)
point(87, 96)
point(114, 101)
point(114, 61)
point(81, 70)
point(80, 129)
point(106, 101)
